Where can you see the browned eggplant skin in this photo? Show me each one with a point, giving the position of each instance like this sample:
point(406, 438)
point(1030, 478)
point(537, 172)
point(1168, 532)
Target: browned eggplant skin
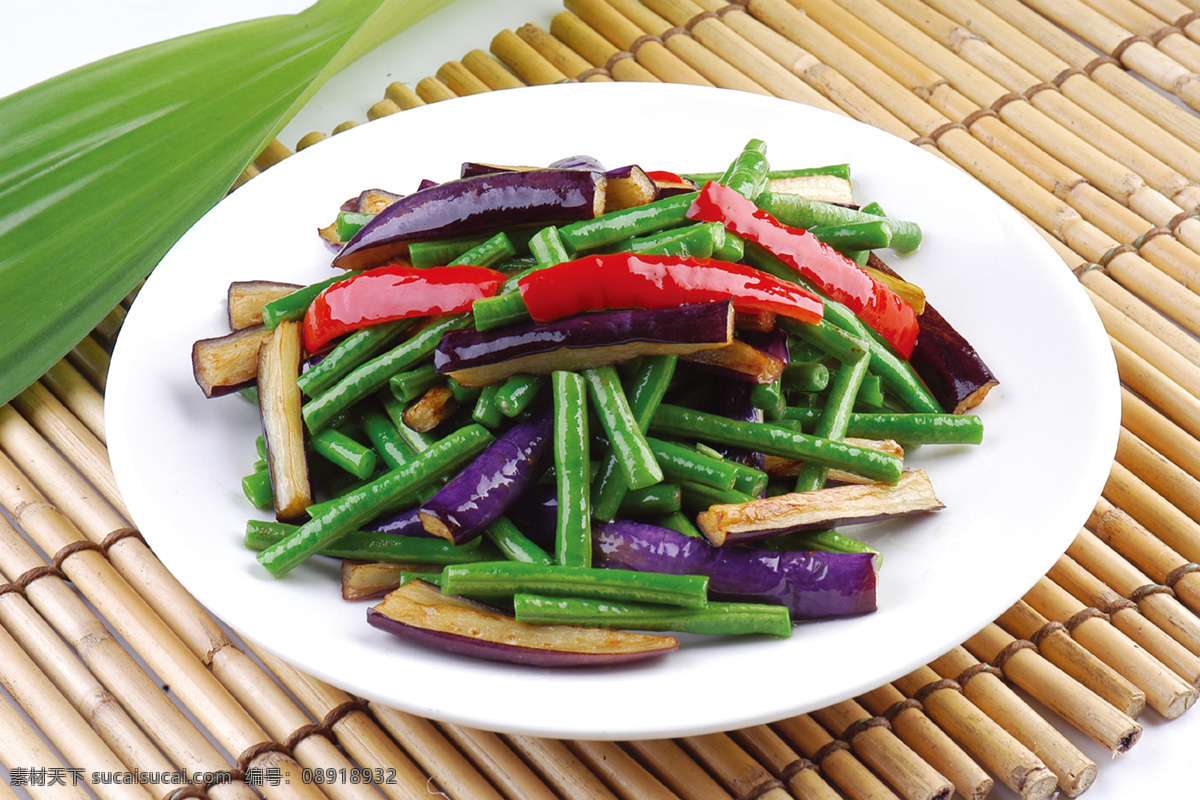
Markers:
point(246, 299)
point(279, 403)
point(226, 364)
point(473, 205)
point(954, 372)
point(419, 613)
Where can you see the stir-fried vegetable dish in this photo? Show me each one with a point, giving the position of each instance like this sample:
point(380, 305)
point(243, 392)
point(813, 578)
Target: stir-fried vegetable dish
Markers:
point(555, 415)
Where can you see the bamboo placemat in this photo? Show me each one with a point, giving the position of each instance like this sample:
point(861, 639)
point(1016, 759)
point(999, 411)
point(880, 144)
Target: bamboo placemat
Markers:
point(1079, 112)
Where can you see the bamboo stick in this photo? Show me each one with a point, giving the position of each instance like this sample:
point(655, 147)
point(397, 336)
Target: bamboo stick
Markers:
point(272, 154)
point(676, 768)
point(564, 59)
point(436, 755)
point(598, 51)
point(1056, 644)
point(383, 108)
point(996, 749)
point(919, 732)
point(833, 758)
point(1079, 706)
point(1172, 400)
point(431, 90)
point(344, 126)
point(1078, 116)
point(619, 771)
point(1074, 771)
point(62, 724)
point(91, 359)
point(1159, 603)
point(1173, 442)
point(1164, 477)
point(832, 85)
point(526, 63)
point(732, 46)
point(495, 759)
point(651, 53)
point(797, 773)
point(354, 729)
point(77, 443)
point(1166, 692)
point(490, 71)
point(22, 750)
point(1172, 527)
point(715, 68)
point(1116, 528)
point(48, 616)
point(736, 770)
point(560, 768)
point(309, 139)
point(402, 96)
point(1126, 617)
point(873, 741)
point(1140, 22)
point(460, 80)
point(73, 390)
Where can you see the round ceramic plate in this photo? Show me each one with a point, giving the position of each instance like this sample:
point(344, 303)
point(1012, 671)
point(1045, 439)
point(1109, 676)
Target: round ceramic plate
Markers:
point(1013, 504)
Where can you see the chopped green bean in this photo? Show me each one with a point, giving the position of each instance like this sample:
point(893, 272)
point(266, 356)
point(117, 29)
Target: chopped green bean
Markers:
point(682, 463)
point(515, 394)
point(715, 619)
point(850, 236)
point(487, 253)
point(515, 545)
point(257, 488)
point(411, 384)
point(441, 251)
point(486, 579)
point(800, 212)
point(573, 539)
point(625, 436)
point(292, 306)
point(661, 498)
point(375, 546)
point(339, 449)
point(670, 212)
point(349, 353)
point(386, 440)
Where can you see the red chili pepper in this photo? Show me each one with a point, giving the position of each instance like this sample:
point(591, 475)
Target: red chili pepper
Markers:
point(631, 280)
point(662, 176)
point(394, 292)
point(839, 277)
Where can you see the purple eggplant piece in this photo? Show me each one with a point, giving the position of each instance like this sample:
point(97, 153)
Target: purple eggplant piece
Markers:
point(625, 186)
point(419, 613)
point(478, 358)
point(773, 342)
point(579, 162)
point(403, 523)
point(956, 375)
point(474, 205)
point(536, 515)
point(739, 405)
point(813, 585)
point(489, 485)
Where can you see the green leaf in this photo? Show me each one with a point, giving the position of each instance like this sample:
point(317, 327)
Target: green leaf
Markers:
point(106, 166)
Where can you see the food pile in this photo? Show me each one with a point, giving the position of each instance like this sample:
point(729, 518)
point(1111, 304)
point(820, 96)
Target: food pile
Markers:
point(554, 414)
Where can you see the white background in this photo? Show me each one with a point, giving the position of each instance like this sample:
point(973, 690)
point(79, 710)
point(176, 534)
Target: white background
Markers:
point(41, 39)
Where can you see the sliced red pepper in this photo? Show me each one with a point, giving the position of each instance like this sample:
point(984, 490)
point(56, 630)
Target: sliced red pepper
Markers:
point(632, 280)
point(839, 277)
point(394, 292)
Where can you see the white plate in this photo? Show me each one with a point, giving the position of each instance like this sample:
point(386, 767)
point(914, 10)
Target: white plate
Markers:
point(1013, 504)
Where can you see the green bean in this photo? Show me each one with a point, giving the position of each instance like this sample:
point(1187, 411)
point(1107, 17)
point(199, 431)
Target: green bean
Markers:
point(680, 523)
point(769, 398)
point(774, 439)
point(682, 463)
point(548, 248)
point(292, 306)
point(625, 437)
point(572, 536)
point(411, 384)
point(349, 353)
point(747, 174)
point(661, 498)
point(805, 377)
point(835, 418)
point(391, 490)
point(698, 497)
point(870, 394)
point(374, 374)
point(441, 251)
point(515, 545)
point(463, 395)
point(715, 619)
point(800, 212)
point(515, 394)
point(646, 391)
point(488, 579)
point(834, 170)
point(375, 546)
point(748, 480)
point(850, 236)
point(825, 541)
point(351, 222)
point(907, 429)
point(257, 488)
point(670, 212)
point(487, 253)
point(386, 440)
point(486, 412)
point(496, 312)
point(339, 449)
